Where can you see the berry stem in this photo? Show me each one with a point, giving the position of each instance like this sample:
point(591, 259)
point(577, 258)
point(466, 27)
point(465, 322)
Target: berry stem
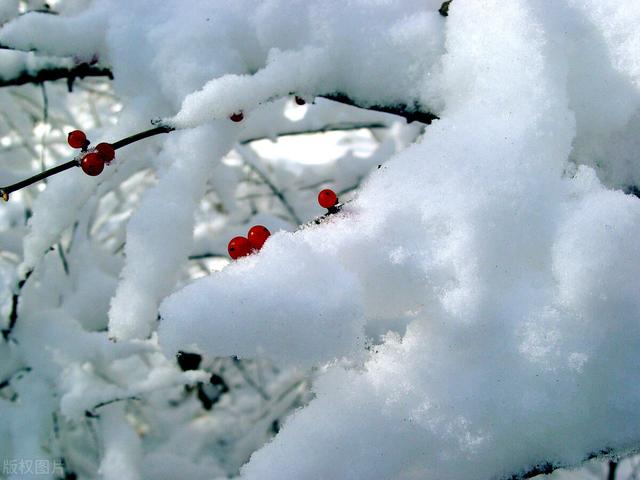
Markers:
point(6, 191)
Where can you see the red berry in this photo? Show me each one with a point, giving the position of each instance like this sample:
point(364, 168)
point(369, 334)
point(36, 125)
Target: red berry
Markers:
point(239, 247)
point(258, 235)
point(237, 117)
point(300, 100)
point(106, 151)
point(92, 164)
point(77, 139)
point(327, 198)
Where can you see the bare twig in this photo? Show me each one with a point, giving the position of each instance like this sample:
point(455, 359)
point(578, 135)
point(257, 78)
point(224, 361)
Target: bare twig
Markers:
point(444, 8)
point(13, 315)
point(613, 466)
point(6, 382)
point(340, 127)
point(413, 113)
point(81, 70)
point(92, 414)
point(547, 468)
point(6, 191)
point(240, 367)
point(267, 181)
point(206, 255)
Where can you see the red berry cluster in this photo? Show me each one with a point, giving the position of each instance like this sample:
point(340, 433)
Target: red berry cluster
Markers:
point(253, 242)
point(243, 246)
point(92, 162)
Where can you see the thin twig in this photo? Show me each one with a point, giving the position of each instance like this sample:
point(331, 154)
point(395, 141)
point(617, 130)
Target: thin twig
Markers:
point(13, 315)
point(444, 8)
point(267, 181)
point(6, 382)
point(547, 468)
point(204, 256)
point(238, 364)
point(613, 466)
point(6, 191)
point(63, 259)
point(411, 113)
point(91, 413)
point(70, 74)
point(141, 136)
point(345, 127)
point(45, 121)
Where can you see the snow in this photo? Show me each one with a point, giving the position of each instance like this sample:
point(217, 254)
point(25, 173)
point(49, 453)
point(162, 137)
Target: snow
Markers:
point(161, 231)
point(472, 312)
point(505, 275)
point(79, 36)
point(320, 318)
point(122, 447)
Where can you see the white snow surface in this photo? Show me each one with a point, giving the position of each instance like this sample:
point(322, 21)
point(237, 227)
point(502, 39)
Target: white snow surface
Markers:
point(474, 312)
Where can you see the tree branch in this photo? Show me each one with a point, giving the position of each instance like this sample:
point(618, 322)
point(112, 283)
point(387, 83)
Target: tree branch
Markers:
point(547, 468)
point(6, 191)
point(267, 181)
point(444, 8)
point(13, 315)
point(411, 113)
point(81, 70)
point(339, 127)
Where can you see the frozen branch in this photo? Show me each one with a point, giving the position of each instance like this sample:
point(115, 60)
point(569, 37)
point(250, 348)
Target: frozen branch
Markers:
point(6, 191)
point(547, 468)
point(70, 74)
point(444, 8)
point(411, 113)
point(339, 127)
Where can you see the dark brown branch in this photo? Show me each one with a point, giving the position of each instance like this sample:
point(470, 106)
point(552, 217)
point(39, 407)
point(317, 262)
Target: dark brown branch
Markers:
point(340, 127)
point(613, 466)
point(6, 191)
point(58, 73)
point(411, 113)
point(275, 190)
point(15, 299)
point(141, 136)
point(547, 468)
point(206, 255)
point(6, 382)
point(92, 413)
point(444, 8)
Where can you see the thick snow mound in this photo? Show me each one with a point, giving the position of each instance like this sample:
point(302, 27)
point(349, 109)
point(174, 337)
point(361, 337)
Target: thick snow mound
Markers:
point(506, 274)
point(320, 318)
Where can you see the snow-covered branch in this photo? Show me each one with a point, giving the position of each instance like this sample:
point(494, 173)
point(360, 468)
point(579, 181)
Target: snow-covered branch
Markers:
point(70, 73)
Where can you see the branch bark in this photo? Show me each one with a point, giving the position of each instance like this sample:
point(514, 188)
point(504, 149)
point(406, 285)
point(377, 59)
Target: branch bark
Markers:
point(444, 8)
point(546, 468)
point(81, 70)
point(339, 127)
point(413, 113)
